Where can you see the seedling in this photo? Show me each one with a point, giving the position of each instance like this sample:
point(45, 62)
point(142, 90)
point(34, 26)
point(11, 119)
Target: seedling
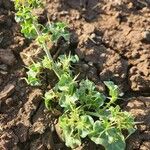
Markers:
point(85, 111)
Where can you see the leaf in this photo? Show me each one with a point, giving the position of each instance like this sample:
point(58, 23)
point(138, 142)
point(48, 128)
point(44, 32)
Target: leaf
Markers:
point(66, 84)
point(48, 97)
point(28, 30)
point(47, 63)
point(33, 73)
point(70, 133)
point(64, 63)
point(72, 142)
point(85, 125)
point(111, 138)
point(88, 95)
point(74, 58)
point(122, 119)
point(58, 30)
point(67, 101)
point(113, 90)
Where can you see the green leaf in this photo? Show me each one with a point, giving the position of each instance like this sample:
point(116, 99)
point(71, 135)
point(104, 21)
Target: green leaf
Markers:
point(67, 101)
point(123, 120)
point(27, 3)
point(113, 90)
point(66, 84)
point(85, 125)
point(64, 63)
point(28, 30)
point(47, 63)
point(68, 125)
point(88, 95)
point(58, 30)
point(117, 145)
point(72, 142)
point(48, 97)
point(110, 138)
point(33, 73)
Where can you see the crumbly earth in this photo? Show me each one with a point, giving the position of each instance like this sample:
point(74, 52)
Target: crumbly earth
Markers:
point(112, 40)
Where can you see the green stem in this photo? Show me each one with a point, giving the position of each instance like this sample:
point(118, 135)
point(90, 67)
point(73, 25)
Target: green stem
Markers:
point(112, 100)
point(92, 114)
point(55, 69)
point(44, 46)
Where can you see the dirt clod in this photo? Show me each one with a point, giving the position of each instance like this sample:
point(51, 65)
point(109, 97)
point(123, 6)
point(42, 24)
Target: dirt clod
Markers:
point(8, 91)
point(7, 57)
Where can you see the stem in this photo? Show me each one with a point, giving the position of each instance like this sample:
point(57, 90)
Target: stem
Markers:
point(55, 69)
point(112, 100)
point(93, 114)
point(44, 46)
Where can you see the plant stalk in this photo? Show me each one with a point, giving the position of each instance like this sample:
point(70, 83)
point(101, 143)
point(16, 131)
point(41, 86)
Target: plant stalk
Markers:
point(93, 114)
point(44, 46)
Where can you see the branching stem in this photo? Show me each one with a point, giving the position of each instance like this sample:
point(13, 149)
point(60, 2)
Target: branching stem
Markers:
point(45, 48)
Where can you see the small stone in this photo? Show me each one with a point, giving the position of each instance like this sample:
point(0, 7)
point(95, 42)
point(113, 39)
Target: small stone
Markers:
point(9, 102)
point(3, 67)
point(100, 86)
point(145, 145)
point(93, 35)
point(146, 36)
point(88, 28)
point(58, 131)
point(118, 17)
point(90, 63)
point(37, 127)
point(3, 72)
point(63, 13)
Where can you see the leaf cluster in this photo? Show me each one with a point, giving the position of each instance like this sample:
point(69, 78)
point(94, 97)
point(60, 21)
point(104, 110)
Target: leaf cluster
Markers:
point(25, 18)
point(29, 23)
point(57, 30)
point(27, 3)
point(86, 113)
point(35, 70)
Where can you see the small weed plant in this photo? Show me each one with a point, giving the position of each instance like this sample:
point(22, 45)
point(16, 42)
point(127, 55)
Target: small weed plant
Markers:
point(85, 111)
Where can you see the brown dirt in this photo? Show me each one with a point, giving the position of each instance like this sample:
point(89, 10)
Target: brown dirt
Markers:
point(112, 39)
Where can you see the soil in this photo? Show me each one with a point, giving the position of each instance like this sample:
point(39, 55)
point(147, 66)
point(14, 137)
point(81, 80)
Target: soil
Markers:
point(112, 40)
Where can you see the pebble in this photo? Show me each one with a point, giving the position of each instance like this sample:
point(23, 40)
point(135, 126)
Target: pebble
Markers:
point(3, 67)
point(4, 72)
point(9, 101)
point(63, 13)
point(146, 36)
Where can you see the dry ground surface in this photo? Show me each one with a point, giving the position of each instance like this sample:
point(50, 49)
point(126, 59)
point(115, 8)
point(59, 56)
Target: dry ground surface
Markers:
point(112, 40)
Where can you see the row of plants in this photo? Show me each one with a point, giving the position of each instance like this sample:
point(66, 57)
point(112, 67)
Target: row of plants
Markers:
point(86, 113)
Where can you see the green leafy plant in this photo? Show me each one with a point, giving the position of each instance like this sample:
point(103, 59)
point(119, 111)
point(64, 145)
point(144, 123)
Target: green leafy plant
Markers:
point(89, 97)
point(85, 111)
point(104, 127)
point(25, 18)
point(33, 73)
point(57, 30)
